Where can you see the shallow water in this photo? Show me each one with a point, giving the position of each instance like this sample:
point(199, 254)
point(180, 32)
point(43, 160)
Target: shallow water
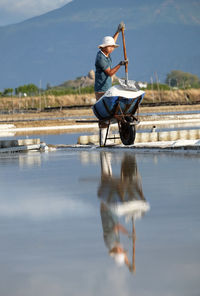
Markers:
point(58, 211)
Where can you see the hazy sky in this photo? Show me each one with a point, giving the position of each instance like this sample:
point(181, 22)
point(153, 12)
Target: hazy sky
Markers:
point(14, 11)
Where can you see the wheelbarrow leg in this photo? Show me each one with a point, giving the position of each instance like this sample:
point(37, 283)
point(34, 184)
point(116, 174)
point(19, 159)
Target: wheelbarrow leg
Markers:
point(107, 130)
point(103, 134)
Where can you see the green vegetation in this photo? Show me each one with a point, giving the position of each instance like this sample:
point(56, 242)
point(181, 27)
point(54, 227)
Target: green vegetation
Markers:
point(7, 92)
point(157, 86)
point(180, 79)
point(24, 90)
point(58, 91)
point(29, 89)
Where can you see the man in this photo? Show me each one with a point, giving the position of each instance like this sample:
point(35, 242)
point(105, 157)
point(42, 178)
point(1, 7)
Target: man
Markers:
point(104, 72)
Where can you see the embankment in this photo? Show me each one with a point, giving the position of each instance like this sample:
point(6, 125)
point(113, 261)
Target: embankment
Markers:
point(189, 96)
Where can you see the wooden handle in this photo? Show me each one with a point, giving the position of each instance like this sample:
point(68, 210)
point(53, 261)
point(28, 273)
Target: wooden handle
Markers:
point(134, 239)
point(124, 48)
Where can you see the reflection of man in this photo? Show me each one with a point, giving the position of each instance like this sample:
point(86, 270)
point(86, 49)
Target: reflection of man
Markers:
point(120, 196)
point(111, 234)
point(130, 179)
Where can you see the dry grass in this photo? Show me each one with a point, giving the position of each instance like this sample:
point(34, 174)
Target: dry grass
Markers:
point(179, 96)
point(8, 103)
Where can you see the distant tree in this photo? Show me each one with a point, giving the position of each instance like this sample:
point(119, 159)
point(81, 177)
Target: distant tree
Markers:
point(8, 91)
point(48, 86)
point(30, 89)
point(177, 78)
point(154, 86)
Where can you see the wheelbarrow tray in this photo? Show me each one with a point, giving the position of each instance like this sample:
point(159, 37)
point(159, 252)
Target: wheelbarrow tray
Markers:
point(117, 101)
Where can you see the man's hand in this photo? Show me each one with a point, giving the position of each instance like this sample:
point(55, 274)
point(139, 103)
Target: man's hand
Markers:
point(123, 63)
point(120, 26)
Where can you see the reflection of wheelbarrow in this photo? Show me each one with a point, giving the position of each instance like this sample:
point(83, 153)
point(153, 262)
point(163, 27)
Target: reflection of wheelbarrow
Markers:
point(121, 106)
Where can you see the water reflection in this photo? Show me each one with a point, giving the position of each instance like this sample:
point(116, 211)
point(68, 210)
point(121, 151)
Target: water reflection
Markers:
point(30, 160)
point(122, 202)
point(51, 231)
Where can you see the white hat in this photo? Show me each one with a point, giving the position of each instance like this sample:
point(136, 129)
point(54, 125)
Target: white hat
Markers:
point(108, 41)
point(119, 258)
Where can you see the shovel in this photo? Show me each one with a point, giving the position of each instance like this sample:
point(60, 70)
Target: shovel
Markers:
point(127, 84)
point(125, 57)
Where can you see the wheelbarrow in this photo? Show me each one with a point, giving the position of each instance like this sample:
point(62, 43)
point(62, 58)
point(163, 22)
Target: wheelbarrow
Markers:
point(121, 106)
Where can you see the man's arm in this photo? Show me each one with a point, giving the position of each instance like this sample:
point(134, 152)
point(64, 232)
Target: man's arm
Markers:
point(111, 72)
point(115, 36)
point(119, 28)
point(119, 227)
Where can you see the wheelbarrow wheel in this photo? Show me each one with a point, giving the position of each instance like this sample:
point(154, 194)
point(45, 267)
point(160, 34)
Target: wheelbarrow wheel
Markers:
point(127, 133)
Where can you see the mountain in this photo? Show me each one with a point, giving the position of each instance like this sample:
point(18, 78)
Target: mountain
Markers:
point(60, 45)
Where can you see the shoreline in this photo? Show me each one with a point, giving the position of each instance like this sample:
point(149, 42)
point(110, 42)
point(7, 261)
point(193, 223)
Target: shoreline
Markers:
point(69, 117)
